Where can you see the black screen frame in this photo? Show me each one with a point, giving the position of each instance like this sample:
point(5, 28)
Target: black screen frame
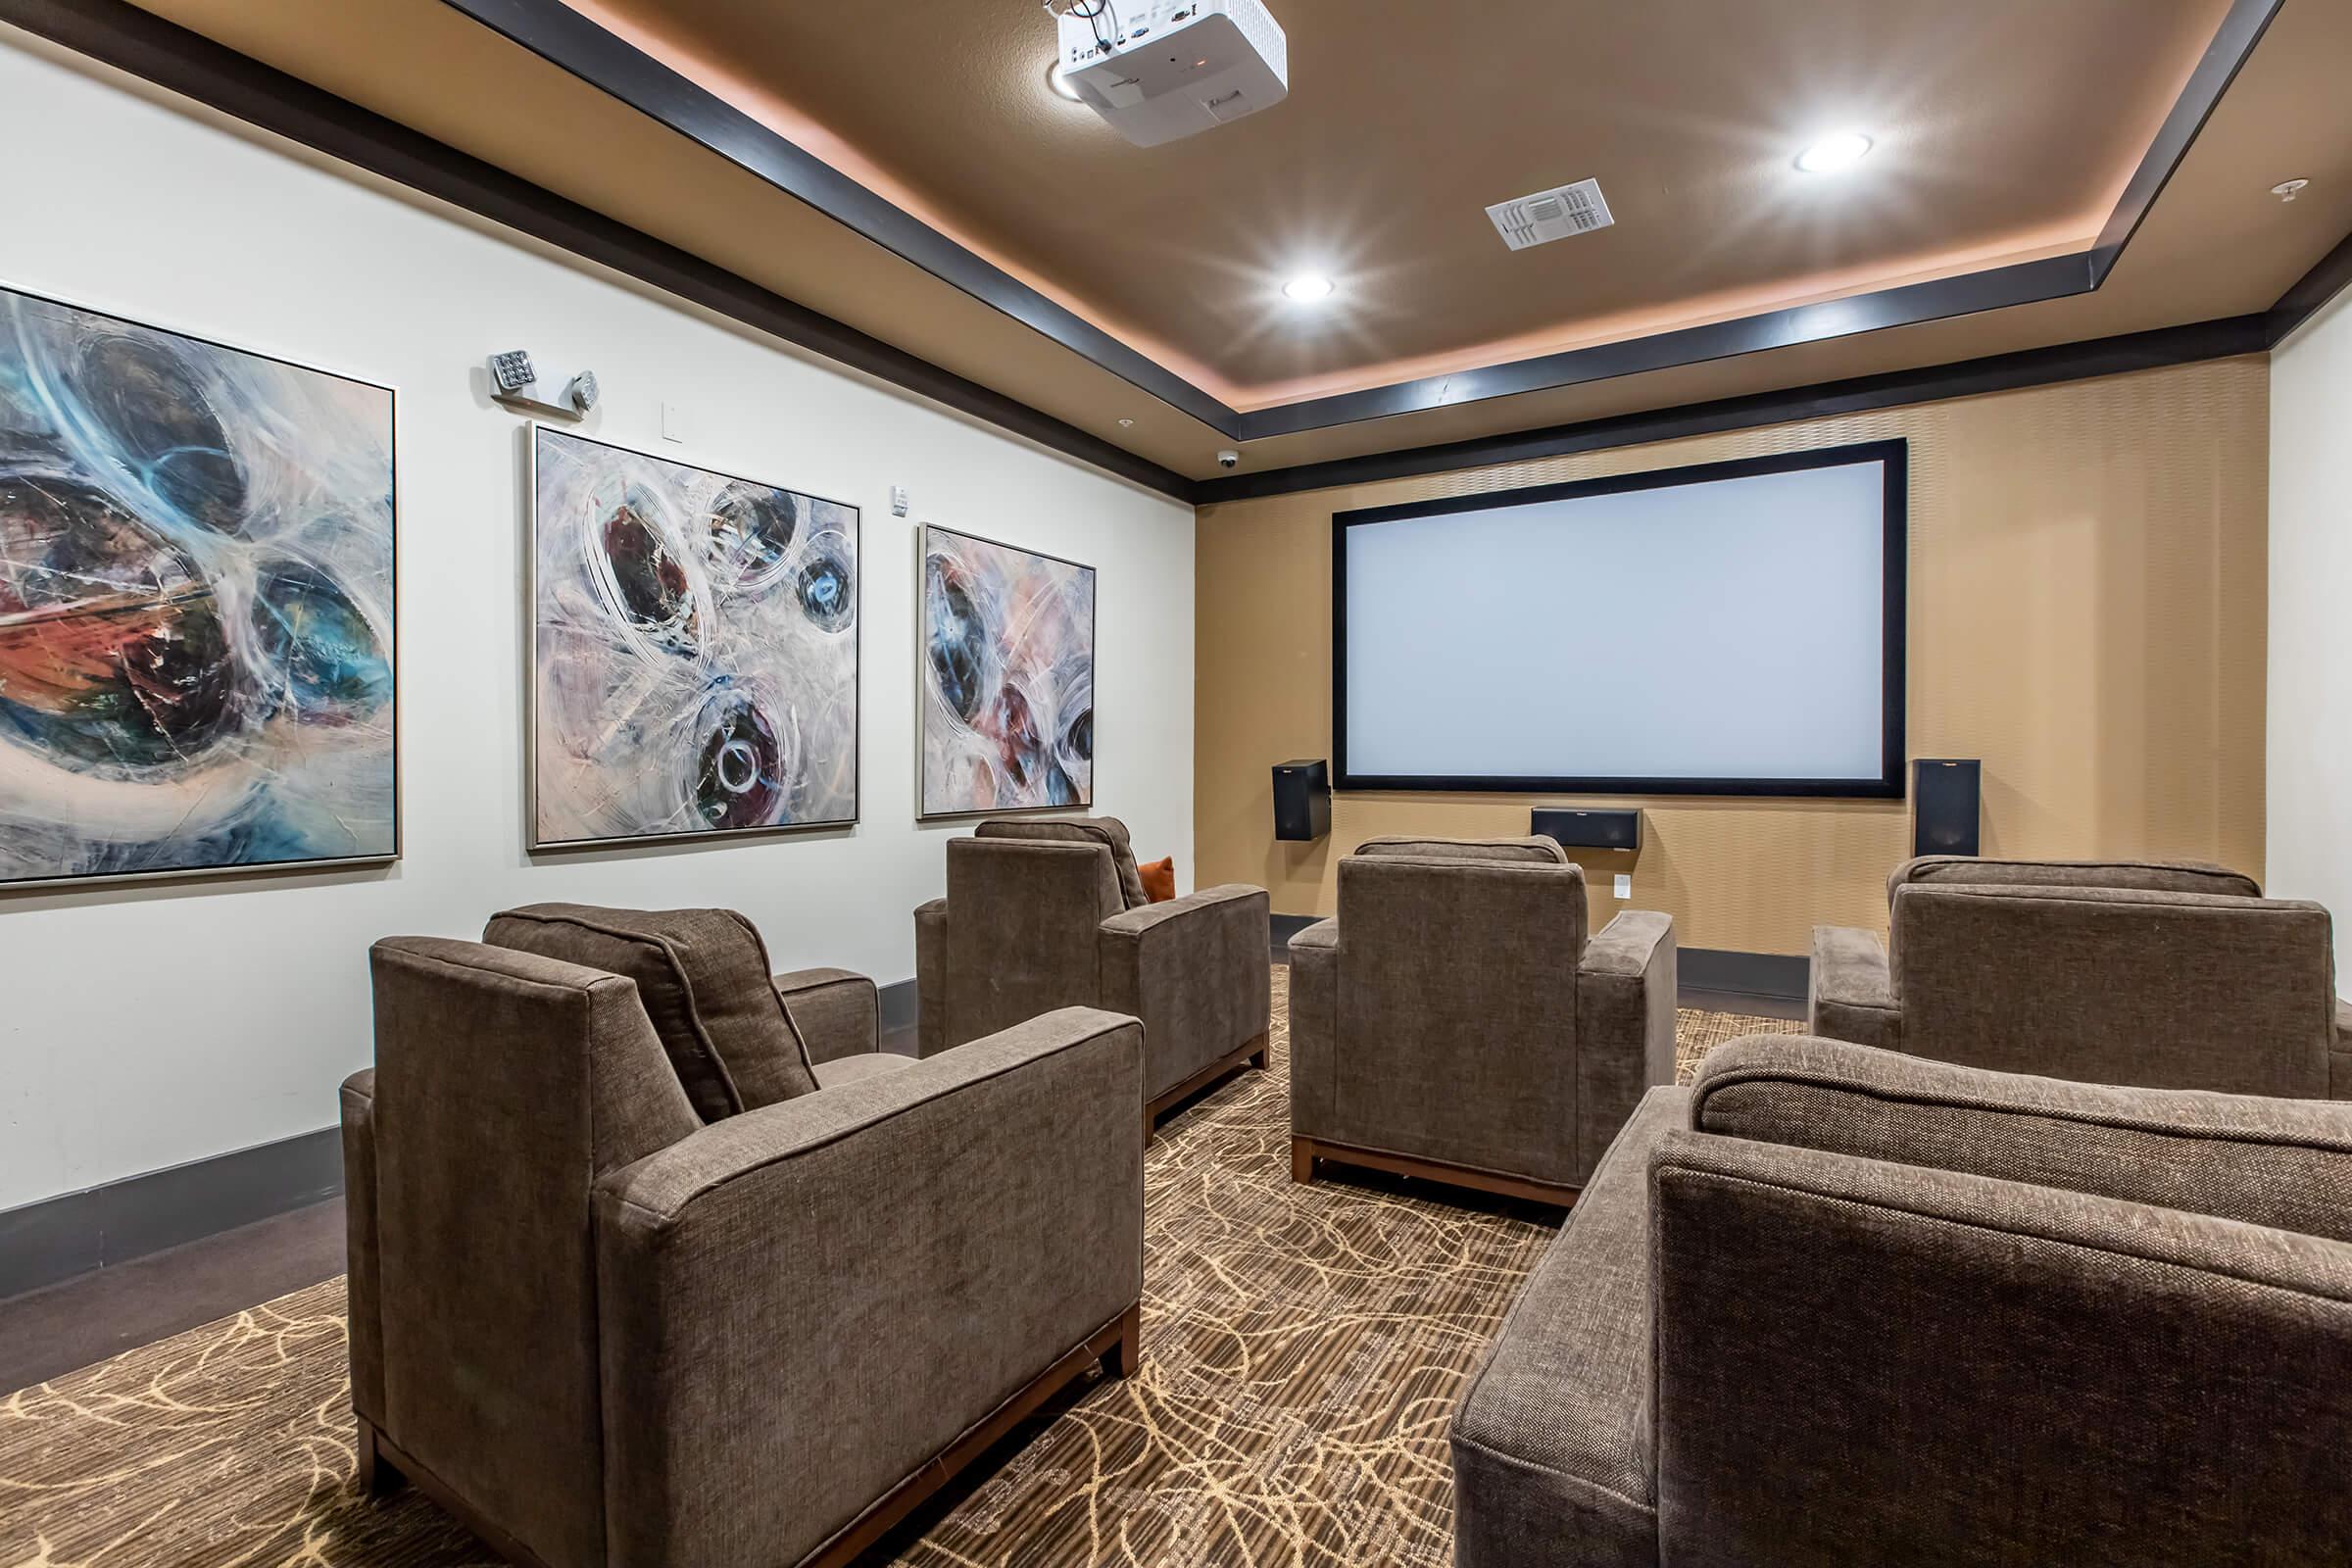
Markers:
point(1894, 455)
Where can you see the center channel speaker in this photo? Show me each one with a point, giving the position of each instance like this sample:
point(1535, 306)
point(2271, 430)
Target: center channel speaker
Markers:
point(1574, 829)
point(1946, 794)
point(1302, 801)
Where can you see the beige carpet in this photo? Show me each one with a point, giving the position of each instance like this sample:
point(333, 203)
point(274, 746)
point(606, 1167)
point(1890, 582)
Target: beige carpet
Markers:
point(1302, 1350)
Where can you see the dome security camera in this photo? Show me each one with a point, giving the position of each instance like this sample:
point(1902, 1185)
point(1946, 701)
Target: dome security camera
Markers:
point(1229, 459)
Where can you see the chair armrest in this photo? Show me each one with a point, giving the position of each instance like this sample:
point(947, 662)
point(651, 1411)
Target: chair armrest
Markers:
point(1624, 1012)
point(1197, 971)
point(2280, 1162)
point(1314, 1028)
point(1850, 989)
point(359, 1246)
point(931, 978)
point(837, 1013)
point(1831, 1332)
point(837, 1287)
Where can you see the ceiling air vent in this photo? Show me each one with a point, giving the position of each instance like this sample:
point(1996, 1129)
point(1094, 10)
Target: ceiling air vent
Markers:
point(1550, 215)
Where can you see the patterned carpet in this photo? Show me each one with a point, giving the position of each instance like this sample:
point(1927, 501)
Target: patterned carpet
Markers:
point(1302, 1350)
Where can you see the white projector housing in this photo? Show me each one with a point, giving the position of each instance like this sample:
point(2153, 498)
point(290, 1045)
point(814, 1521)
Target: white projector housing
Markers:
point(1175, 68)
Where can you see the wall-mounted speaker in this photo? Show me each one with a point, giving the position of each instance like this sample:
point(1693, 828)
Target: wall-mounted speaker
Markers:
point(1946, 795)
point(1573, 829)
point(1302, 800)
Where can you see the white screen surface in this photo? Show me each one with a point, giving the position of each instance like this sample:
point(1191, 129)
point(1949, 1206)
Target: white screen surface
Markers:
point(1726, 630)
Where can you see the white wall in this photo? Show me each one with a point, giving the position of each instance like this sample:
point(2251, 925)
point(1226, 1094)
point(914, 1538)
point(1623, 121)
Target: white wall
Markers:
point(2309, 762)
point(143, 1027)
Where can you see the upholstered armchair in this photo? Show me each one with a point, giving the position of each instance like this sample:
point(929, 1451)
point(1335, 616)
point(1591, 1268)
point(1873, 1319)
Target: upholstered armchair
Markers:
point(1839, 1305)
point(2168, 975)
point(636, 1277)
point(1052, 914)
point(1454, 1022)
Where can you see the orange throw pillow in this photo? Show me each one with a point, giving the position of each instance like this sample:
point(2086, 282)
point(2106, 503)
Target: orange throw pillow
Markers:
point(1159, 879)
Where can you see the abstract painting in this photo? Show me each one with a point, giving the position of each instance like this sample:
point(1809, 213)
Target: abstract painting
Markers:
point(197, 667)
point(1008, 678)
point(695, 665)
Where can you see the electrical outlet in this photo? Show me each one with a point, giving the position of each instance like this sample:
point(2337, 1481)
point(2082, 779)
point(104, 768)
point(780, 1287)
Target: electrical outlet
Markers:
point(1625, 883)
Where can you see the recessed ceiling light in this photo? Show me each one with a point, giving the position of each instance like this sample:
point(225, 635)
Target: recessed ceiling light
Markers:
point(1833, 152)
point(1308, 287)
point(2287, 190)
point(1126, 424)
point(1060, 82)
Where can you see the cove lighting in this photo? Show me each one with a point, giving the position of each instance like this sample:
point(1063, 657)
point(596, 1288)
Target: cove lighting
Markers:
point(1831, 154)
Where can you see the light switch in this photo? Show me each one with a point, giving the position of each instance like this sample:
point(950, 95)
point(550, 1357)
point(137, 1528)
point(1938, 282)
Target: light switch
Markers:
point(898, 501)
point(1625, 883)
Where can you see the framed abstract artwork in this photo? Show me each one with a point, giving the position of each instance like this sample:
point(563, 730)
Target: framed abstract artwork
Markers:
point(1007, 660)
point(694, 663)
point(198, 667)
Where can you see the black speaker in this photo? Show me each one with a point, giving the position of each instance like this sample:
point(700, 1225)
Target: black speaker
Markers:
point(1302, 800)
point(1944, 808)
point(1573, 829)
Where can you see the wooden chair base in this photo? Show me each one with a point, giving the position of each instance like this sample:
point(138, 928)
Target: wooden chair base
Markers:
point(1249, 1053)
point(1117, 1346)
point(1305, 1151)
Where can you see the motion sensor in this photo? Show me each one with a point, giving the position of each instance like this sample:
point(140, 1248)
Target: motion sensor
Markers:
point(1229, 459)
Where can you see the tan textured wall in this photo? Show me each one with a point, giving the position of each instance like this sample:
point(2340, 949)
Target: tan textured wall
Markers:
point(2087, 580)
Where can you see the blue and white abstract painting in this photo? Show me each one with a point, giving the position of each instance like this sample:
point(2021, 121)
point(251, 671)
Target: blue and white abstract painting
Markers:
point(696, 650)
point(197, 663)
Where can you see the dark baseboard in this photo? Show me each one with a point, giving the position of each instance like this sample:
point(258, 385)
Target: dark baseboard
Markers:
point(57, 1238)
point(1285, 927)
point(1781, 976)
point(898, 1005)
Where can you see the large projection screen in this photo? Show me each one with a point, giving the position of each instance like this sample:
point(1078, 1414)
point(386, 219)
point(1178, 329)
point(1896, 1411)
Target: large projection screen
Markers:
point(1730, 628)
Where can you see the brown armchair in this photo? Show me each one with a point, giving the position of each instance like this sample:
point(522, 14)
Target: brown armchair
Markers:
point(2168, 975)
point(1052, 914)
point(1454, 1022)
point(1834, 1304)
point(604, 1328)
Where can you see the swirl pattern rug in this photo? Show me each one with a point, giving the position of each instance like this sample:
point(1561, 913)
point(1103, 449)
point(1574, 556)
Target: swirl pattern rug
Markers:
point(1303, 1347)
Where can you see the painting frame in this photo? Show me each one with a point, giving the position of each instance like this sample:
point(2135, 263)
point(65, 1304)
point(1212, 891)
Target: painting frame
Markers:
point(534, 844)
point(922, 556)
point(240, 871)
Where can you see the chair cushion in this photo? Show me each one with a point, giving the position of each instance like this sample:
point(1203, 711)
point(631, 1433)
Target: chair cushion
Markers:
point(1107, 831)
point(701, 975)
point(1532, 850)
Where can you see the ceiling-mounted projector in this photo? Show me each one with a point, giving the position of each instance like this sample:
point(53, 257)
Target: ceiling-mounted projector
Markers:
point(1161, 70)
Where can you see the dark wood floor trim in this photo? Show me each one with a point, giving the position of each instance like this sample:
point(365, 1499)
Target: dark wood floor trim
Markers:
point(1306, 1151)
point(2001, 372)
point(187, 63)
point(1249, 1053)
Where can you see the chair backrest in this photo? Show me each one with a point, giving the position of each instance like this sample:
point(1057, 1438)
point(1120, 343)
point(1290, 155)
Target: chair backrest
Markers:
point(1456, 1030)
point(1868, 1362)
point(1024, 929)
point(1107, 831)
point(505, 1084)
point(2166, 990)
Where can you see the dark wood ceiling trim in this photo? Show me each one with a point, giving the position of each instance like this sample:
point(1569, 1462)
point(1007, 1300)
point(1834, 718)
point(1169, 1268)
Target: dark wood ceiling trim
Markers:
point(2068, 362)
point(2232, 47)
point(570, 42)
point(2328, 277)
point(146, 45)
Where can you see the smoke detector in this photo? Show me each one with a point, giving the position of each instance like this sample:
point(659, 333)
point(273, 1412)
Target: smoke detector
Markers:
point(1550, 215)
